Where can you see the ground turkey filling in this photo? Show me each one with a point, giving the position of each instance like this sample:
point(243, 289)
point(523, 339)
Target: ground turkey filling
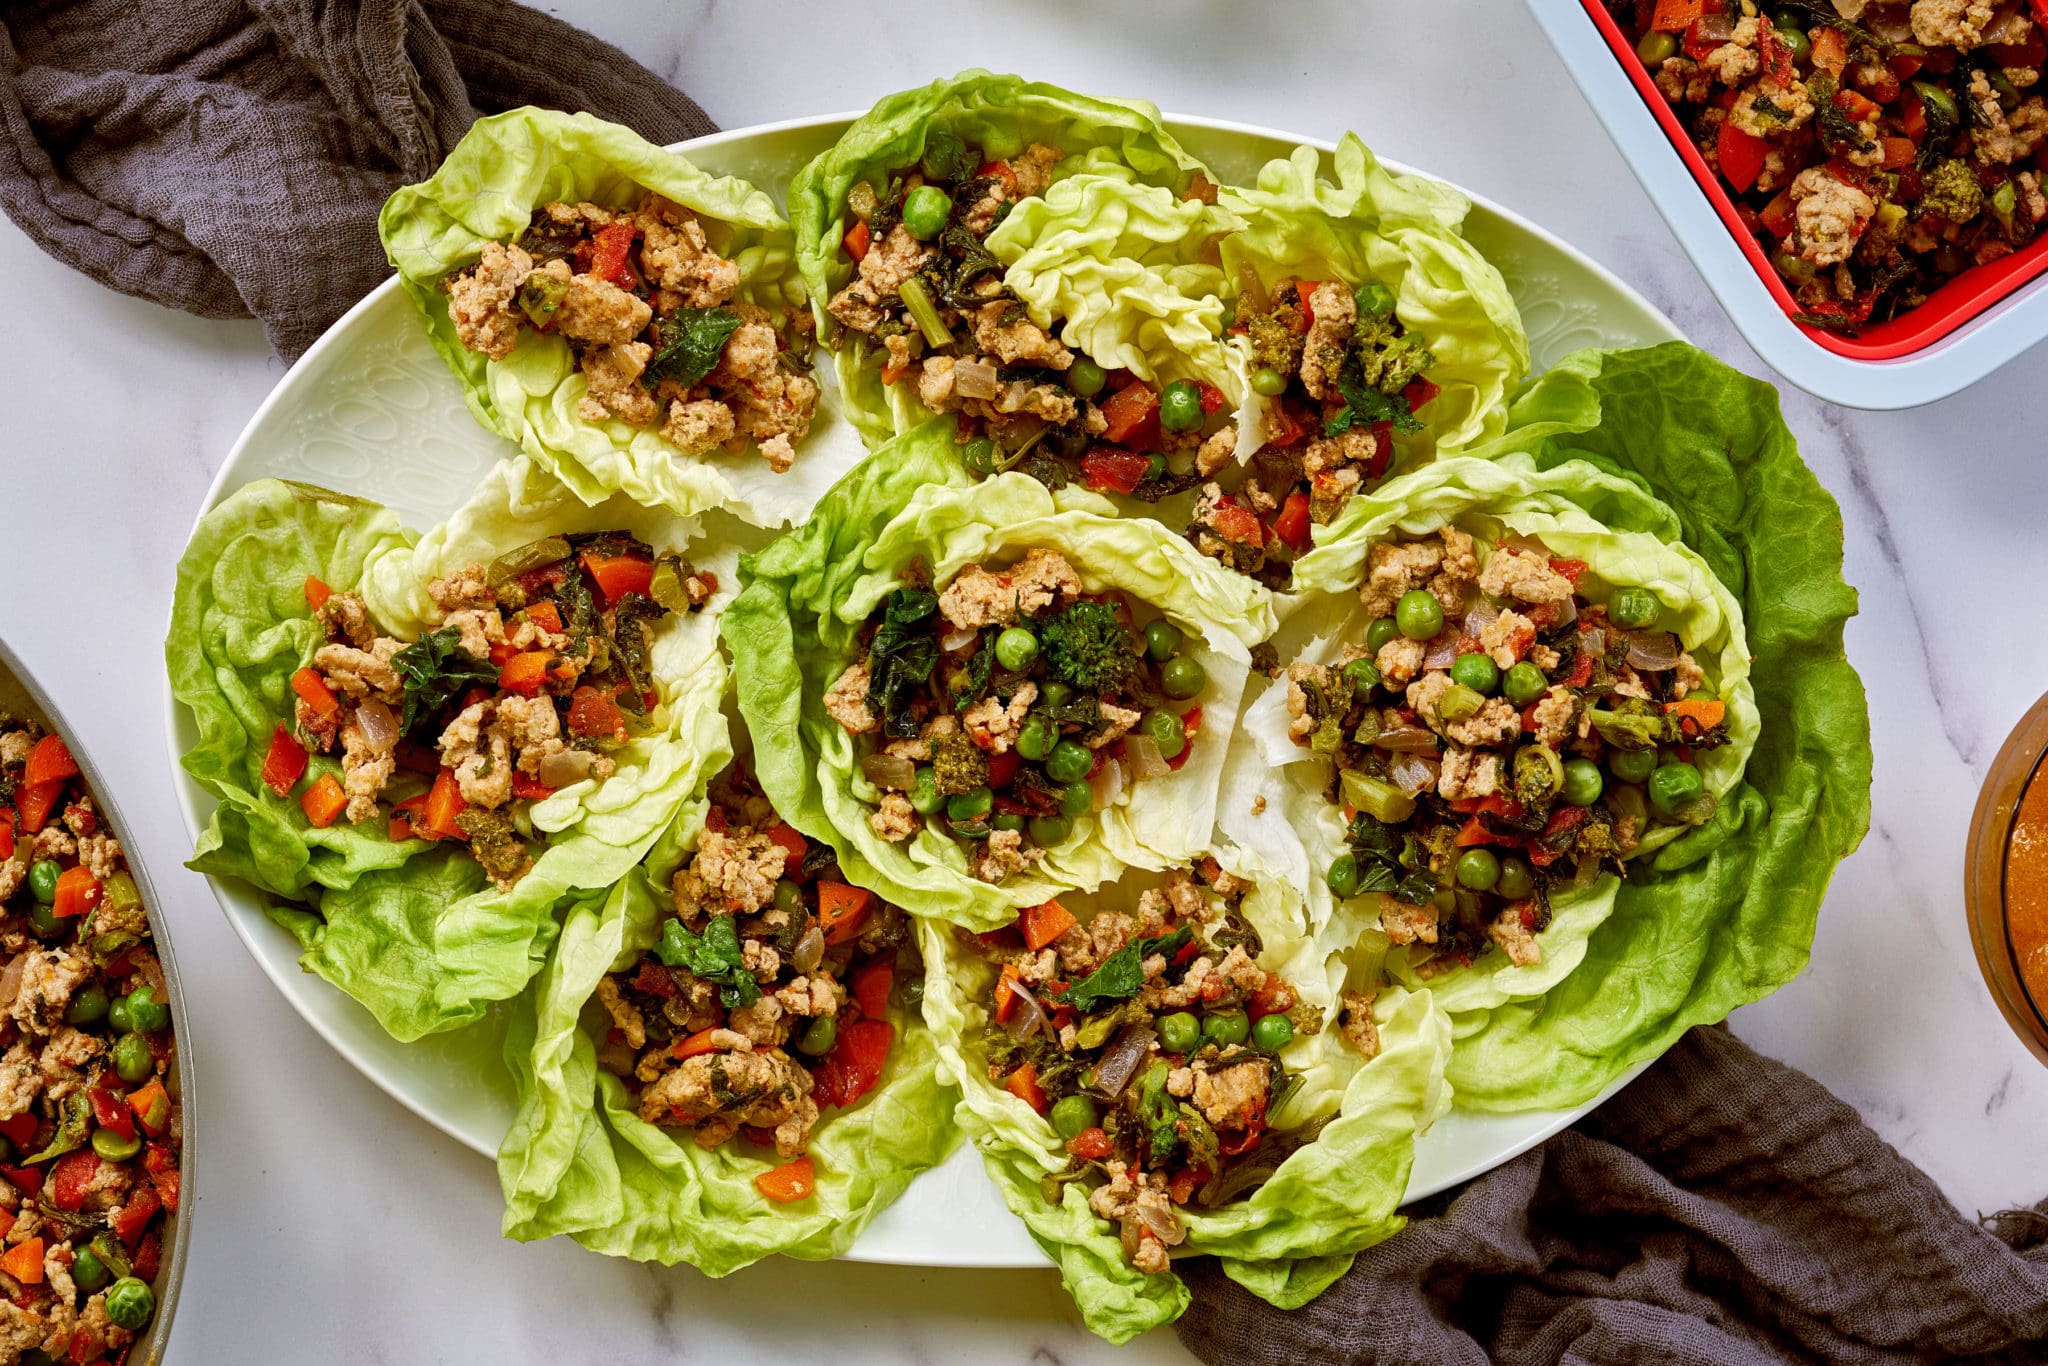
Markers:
point(90, 1125)
point(766, 998)
point(1502, 737)
point(650, 310)
point(1150, 1040)
point(539, 669)
point(1010, 704)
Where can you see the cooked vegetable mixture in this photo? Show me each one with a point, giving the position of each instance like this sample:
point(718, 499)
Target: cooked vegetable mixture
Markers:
point(929, 291)
point(1877, 150)
point(647, 304)
point(1339, 374)
point(766, 998)
point(1501, 739)
point(1151, 1043)
point(90, 1126)
point(539, 669)
point(1011, 704)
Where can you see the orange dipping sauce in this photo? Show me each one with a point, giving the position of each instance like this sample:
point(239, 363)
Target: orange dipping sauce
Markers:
point(2005, 882)
point(2026, 888)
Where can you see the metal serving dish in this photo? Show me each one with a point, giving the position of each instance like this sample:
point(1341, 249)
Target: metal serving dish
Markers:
point(21, 697)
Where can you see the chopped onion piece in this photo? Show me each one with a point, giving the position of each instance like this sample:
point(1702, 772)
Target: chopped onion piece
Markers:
point(1564, 613)
point(1443, 651)
point(1163, 1222)
point(809, 950)
point(1653, 650)
point(1119, 1062)
point(1146, 760)
point(1107, 783)
point(10, 978)
point(1481, 616)
point(1406, 739)
point(1026, 1015)
point(566, 767)
point(976, 379)
point(1715, 28)
point(378, 725)
point(890, 772)
point(1413, 773)
point(954, 641)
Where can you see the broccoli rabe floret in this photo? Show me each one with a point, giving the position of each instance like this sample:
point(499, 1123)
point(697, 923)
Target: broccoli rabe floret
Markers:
point(1086, 645)
point(1953, 191)
point(958, 765)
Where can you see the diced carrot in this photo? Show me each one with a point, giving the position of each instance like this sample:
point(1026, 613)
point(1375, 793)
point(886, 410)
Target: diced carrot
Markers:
point(1830, 49)
point(894, 370)
point(324, 801)
point(545, 615)
point(857, 239)
point(1090, 1144)
point(6, 833)
point(1113, 470)
point(444, 803)
point(1023, 1084)
point(592, 714)
point(1709, 714)
point(614, 242)
point(1044, 923)
point(1740, 155)
point(1182, 1185)
point(855, 1063)
point(24, 1261)
point(1303, 290)
point(314, 692)
point(700, 1042)
point(792, 841)
point(1006, 999)
point(49, 762)
point(1291, 526)
point(36, 801)
point(1127, 409)
point(789, 1182)
point(285, 763)
point(1899, 153)
point(842, 910)
point(1569, 569)
point(1675, 16)
point(20, 1130)
point(317, 592)
point(78, 891)
point(871, 986)
point(618, 575)
point(526, 673)
point(400, 828)
point(152, 1105)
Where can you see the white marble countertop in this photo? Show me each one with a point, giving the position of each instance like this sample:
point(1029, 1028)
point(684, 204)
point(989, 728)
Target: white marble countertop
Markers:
point(333, 1226)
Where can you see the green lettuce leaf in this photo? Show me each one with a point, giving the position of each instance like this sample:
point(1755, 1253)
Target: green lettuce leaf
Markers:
point(1363, 223)
point(1327, 1201)
point(793, 631)
point(504, 168)
point(1687, 943)
point(1002, 115)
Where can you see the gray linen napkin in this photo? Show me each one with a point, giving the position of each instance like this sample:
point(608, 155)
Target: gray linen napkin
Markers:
point(228, 157)
point(1721, 1210)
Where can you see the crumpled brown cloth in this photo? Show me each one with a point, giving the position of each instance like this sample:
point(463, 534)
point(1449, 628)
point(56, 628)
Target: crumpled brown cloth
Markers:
point(1722, 1210)
point(228, 157)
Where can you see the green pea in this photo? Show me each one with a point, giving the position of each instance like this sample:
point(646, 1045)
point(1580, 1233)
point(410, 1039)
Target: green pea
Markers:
point(970, 806)
point(147, 1014)
point(1180, 407)
point(924, 791)
point(1183, 677)
point(1373, 299)
point(1165, 730)
point(1343, 876)
point(1524, 683)
point(1268, 382)
point(1085, 377)
point(112, 1147)
point(1016, 648)
point(1379, 633)
point(134, 1059)
point(1517, 882)
point(788, 896)
point(1225, 1027)
point(1582, 782)
point(88, 1007)
point(909, 993)
point(42, 880)
point(1069, 762)
point(1036, 739)
point(1049, 832)
point(1478, 869)
point(1656, 48)
point(88, 1272)
point(1418, 614)
point(1073, 1116)
point(925, 211)
point(130, 1304)
point(1799, 43)
point(1055, 694)
point(1155, 467)
point(1632, 608)
point(819, 1036)
point(120, 1018)
point(1272, 1032)
point(1362, 674)
point(1162, 640)
point(1632, 765)
point(1077, 799)
point(1008, 820)
point(980, 455)
point(1477, 672)
point(1180, 1032)
point(1673, 786)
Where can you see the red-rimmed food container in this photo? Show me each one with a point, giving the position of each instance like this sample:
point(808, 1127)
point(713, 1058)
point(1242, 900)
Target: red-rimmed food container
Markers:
point(2005, 881)
point(1970, 326)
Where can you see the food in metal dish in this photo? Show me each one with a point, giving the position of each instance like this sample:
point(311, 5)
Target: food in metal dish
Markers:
point(2006, 880)
point(90, 1123)
point(1877, 151)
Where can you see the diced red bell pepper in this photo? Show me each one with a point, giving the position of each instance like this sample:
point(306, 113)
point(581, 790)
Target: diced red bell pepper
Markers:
point(1233, 521)
point(314, 692)
point(1305, 317)
point(132, 1218)
point(1287, 422)
point(152, 1106)
point(1212, 397)
point(857, 239)
point(1244, 1141)
point(1857, 105)
point(794, 845)
point(1830, 49)
point(1001, 170)
point(1419, 392)
point(1091, 1145)
point(618, 575)
point(285, 763)
point(1114, 471)
point(1190, 726)
point(790, 1182)
point(1899, 153)
point(35, 802)
point(614, 245)
point(162, 1165)
point(591, 713)
point(871, 986)
point(1474, 832)
point(545, 615)
point(526, 672)
point(1002, 768)
point(1582, 671)
point(1127, 409)
point(317, 592)
point(1777, 215)
point(1292, 525)
point(855, 1063)
point(6, 833)
point(1740, 155)
point(148, 1260)
point(20, 1130)
point(528, 788)
point(1181, 1186)
point(71, 1176)
point(1675, 16)
point(110, 1111)
point(27, 1180)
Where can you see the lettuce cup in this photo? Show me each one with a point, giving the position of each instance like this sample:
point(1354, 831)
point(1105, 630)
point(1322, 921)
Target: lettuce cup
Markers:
point(1374, 337)
point(983, 695)
point(1507, 701)
point(724, 1058)
point(1173, 1064)
point(426, 746)
point(633, 323)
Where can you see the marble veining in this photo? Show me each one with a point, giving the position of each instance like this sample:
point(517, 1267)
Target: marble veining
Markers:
point(332, 1226)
